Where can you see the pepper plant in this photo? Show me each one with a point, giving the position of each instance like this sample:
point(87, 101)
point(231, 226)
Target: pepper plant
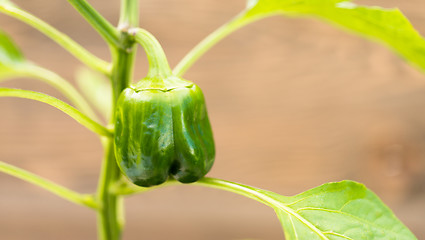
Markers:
point(158, 133)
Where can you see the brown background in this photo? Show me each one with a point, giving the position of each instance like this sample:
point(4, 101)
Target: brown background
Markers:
point(294, 103)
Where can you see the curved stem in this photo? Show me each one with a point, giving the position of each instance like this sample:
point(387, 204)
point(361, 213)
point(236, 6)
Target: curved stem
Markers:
point(158, 64)
point(237, 188)
point(72, 196)
point(203, 46)
point(55, 81)
point(66, 42)
point(64, 107)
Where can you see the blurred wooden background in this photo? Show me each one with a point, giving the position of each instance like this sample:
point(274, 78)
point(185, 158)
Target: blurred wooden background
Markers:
point(294, 103)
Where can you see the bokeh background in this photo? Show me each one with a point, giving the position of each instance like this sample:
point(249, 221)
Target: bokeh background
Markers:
point(294, 103)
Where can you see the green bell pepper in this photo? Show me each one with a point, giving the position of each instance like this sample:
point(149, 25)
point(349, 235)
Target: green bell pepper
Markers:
point(162, 128)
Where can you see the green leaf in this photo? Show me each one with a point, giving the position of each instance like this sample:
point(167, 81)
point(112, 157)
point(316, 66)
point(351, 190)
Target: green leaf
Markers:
point(9, 52)
point(389, 26)
point(334, 211)
point(97, 89)
point(343, 210)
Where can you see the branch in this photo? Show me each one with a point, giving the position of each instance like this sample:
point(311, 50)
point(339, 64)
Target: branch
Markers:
point(54, 80)
point(66, 42)
point(98, 22)
point(64, 107)
point(213, 38)
point(72, 196)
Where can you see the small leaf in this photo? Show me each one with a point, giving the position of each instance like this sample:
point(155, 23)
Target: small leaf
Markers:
point(97, 89)
point(389, 26)
point(9, 52)
point(342, 210)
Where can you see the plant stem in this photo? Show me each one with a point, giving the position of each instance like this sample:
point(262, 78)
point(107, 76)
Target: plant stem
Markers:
point(110, 222)
point(129, 15)
point(64, 107)
point(77, 198)
point(111, 214)
point(123, 53)
point(122, 71)
point(66, 42)
point(203, 46)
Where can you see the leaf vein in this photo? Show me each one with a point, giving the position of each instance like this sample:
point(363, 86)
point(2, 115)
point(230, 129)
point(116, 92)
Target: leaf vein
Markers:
point(349, 215)
point(339, 235)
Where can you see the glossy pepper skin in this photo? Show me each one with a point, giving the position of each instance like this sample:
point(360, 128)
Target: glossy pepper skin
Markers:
point(162, 128)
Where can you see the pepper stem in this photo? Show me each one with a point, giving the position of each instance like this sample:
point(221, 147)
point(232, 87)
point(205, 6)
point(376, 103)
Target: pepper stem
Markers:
point(158, 63)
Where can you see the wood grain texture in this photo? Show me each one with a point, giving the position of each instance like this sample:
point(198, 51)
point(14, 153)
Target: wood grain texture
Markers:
point(294, 103)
